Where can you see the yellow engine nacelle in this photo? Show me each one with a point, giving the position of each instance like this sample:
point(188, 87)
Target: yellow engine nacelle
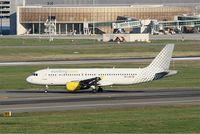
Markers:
point(73, 86)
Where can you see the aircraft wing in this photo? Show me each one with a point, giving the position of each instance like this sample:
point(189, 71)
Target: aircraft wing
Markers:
point(85, 84)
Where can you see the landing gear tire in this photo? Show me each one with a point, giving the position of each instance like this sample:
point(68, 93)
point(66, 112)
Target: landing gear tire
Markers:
point(46, 90)
point(94, 90)
point(100, 89)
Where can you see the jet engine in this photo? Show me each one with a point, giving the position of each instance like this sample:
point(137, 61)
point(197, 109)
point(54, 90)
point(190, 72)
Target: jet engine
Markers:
point(80, 85)
point(73, 86)
point(77, 85)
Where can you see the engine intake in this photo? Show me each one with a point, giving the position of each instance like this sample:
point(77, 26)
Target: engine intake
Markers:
point(73, 86)
point(79, 85)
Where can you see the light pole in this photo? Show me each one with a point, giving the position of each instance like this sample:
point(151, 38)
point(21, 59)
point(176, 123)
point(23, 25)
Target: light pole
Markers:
point(93, 3)
point(39, 25)
point(50, 22)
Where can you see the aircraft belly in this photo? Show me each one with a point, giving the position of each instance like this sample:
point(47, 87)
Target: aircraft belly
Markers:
point(57, 82)
point(63, 81)
point(119, 81)
point(123, 83)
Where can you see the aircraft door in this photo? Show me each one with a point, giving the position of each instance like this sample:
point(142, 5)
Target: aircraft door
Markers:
point(45, 78)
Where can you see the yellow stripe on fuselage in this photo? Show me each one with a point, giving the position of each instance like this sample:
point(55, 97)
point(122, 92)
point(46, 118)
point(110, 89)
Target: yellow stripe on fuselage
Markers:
point(72, 71)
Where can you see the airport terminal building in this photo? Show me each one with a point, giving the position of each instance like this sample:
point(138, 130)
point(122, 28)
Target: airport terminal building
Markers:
point(4, 16)
point(90, 16)
point(89, 19)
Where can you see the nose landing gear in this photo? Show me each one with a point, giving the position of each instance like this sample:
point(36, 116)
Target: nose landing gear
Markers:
point(46, 89)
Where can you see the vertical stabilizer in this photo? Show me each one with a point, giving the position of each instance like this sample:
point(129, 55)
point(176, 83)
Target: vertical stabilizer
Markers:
point(162, 60)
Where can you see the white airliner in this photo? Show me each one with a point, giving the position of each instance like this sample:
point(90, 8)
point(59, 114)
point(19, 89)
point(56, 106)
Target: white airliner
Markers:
point(95, 79)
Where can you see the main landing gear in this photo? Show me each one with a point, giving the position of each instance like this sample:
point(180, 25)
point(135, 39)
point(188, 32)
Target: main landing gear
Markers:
point(97, 90)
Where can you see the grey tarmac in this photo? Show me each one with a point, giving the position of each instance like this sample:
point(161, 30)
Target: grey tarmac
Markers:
point(61, 100)
point(90, 61)
point(177, 37)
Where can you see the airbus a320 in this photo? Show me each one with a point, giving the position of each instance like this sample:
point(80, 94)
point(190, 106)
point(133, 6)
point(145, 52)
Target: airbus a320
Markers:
point(97, 78)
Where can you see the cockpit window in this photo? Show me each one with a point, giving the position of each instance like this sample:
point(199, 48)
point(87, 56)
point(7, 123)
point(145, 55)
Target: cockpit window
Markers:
point(35, 74)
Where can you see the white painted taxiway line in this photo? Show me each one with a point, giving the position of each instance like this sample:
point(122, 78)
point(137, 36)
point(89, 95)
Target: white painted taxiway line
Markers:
point(186, 58)
point(90, 61)
point(101, 105)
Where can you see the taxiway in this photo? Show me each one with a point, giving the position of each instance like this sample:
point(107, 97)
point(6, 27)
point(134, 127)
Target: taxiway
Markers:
point(35, 101)
point(90, 61)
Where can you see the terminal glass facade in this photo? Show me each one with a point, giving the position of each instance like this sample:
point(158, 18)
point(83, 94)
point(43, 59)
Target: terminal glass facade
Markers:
point(4, 16)
point(95, 19)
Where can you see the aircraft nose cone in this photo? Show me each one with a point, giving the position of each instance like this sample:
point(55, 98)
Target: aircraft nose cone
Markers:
point(29, 79)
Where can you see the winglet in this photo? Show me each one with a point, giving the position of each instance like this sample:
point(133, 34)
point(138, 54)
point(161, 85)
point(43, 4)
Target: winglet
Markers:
point(162, 60)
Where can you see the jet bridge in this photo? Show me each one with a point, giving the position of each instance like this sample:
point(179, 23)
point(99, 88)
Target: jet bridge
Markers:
point(182, 22)
point(178, 23)
point(126, 24)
